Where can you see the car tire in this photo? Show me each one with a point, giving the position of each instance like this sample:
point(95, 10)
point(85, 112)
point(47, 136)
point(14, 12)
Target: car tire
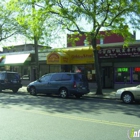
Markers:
point(63, 92)
point(15, 90)
point(33, 91)
point(127, 98)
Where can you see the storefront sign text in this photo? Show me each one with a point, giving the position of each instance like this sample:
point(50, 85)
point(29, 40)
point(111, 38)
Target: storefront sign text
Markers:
point(54, 57)
point(119, 52)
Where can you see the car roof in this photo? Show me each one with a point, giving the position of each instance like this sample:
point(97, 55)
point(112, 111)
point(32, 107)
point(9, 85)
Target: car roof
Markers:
point(72, 73)
point(7, 72)
point(64, 73)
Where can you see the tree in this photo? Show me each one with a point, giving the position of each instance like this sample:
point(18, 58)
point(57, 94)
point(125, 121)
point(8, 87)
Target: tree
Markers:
point(34, 23)
point(115, 15)
point(8, 26)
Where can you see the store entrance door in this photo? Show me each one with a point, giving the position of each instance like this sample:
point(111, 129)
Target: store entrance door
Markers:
point(107, 77)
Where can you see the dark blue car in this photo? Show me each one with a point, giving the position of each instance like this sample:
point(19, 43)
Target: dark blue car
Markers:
point(63, 84)
point(10, 80)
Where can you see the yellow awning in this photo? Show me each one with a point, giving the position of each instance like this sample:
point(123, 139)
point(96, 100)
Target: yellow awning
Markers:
point(80, 55)
point(57, 58)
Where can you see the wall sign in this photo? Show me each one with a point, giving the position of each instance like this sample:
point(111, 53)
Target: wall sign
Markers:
point(122, 69)
point(119, 52)
point(137, 69)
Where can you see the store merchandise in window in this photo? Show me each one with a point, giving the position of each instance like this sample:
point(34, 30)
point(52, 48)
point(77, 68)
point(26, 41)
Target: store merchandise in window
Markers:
point(122, 74)
point(136, 74)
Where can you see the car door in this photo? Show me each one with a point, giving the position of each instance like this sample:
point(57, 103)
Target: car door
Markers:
point(43, 84)
point(55, 83)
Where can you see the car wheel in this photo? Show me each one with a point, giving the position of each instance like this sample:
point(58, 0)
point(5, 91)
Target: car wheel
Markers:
point(33, 91)
point(63, 93)
point(127, 98)
point(15, 90)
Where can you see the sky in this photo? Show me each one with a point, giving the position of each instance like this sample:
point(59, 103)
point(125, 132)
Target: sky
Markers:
point(20, 40)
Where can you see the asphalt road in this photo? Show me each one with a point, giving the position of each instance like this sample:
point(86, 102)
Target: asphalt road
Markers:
point(26, 117)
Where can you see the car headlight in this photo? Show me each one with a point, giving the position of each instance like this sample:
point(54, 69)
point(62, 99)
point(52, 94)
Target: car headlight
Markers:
point(120, 91)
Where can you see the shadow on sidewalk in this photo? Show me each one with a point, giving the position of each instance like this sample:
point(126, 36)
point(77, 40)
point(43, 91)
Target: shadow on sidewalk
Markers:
point(107, 93)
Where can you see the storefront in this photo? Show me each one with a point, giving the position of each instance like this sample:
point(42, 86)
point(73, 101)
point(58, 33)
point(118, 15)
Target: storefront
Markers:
point(19, 62)
point(120, 66)
point(78, 59)
point(12, 62)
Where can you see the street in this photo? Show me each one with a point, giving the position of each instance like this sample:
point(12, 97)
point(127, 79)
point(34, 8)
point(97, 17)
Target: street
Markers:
point(26, 117)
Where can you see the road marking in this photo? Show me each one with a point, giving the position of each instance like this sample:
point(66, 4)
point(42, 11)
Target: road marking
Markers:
point(119, 124)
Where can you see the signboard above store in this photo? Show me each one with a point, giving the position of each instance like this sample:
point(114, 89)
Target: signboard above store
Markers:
point(119, 52)
point(71, 56)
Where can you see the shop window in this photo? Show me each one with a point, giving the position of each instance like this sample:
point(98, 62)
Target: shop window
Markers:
point(87, 70)
point(44, 69)
point(122, 74)
point(136, 74)
point(55, 68)
point(25, 73)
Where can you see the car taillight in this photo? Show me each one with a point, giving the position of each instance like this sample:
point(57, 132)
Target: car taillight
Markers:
point(74, 84)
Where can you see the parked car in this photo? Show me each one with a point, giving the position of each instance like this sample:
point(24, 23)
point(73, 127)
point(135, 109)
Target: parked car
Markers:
point(128, 94)
point(63, 84)
point(10, 80)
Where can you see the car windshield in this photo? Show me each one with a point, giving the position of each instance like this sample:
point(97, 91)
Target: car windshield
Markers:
point(12, 76)
point(45, 77)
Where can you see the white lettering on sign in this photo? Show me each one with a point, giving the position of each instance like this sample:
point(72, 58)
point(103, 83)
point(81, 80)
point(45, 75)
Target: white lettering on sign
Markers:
point(119, 52)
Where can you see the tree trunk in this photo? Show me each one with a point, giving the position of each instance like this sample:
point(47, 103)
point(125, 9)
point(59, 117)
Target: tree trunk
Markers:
point(97, 68)
point(36, 57)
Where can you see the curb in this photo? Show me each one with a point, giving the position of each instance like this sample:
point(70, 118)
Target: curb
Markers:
point(92, 95)
point(98, 97)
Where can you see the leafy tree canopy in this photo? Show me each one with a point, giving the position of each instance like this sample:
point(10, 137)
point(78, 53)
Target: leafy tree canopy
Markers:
point(34, 20)
point(119, 16)
point(115, 15)
point(8, 25)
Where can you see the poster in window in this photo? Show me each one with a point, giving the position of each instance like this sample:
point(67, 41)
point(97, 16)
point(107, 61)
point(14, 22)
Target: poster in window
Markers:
point(135, 76)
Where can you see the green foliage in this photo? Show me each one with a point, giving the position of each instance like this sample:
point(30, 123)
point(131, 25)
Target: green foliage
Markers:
point(99, 15)
point(8, 26)
point(111, 15)
point(45, 47)
point(8, 48)
point(41, 18)
point(34, 19)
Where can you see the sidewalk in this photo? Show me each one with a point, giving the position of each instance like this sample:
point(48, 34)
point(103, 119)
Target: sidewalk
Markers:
point(107, 94)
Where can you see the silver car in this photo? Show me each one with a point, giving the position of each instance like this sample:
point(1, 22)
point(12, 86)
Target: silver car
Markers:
point(128, 94)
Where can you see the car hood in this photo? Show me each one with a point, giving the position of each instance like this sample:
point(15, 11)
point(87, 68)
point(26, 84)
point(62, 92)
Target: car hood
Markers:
point(34, 82)
point(128, 88)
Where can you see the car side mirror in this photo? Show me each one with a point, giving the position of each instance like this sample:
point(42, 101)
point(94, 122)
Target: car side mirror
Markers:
point(39, 80)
